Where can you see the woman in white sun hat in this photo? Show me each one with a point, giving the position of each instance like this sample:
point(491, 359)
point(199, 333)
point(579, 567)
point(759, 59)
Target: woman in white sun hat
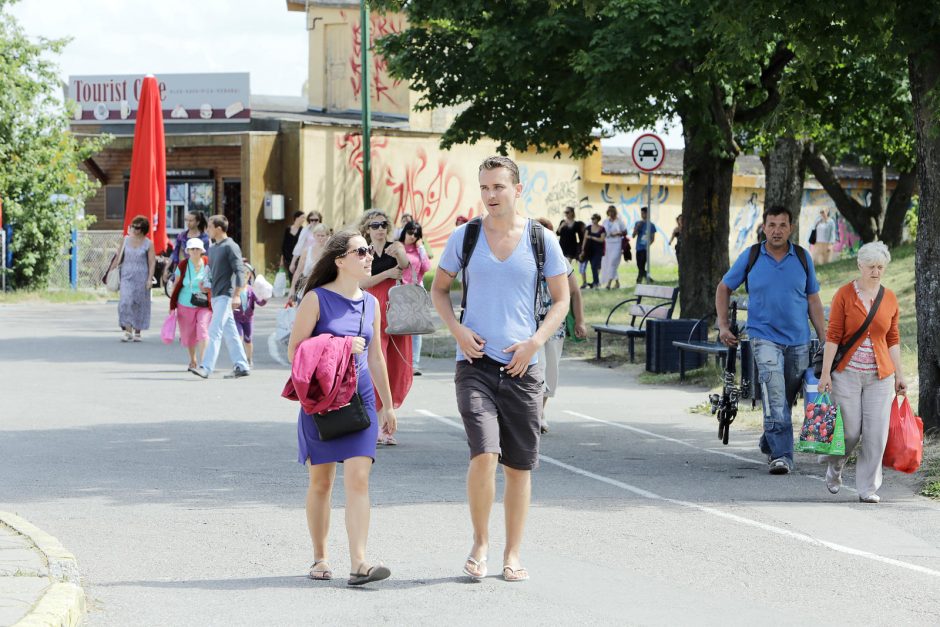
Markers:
point(191, 301)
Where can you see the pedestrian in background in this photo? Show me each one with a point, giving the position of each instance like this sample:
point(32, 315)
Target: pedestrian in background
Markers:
point(227, 275)
point(861, 383)
point(825, 228)
point(193, 306)
point(677, 236)
point(387, 266)
point(304, 239)
point(245, 315)
point(196, 226)
point(418, 264)
point(551, 351)
point(593, 250)
point(402, 222)
point(137, 261)
point(615, 229)
point(335, 304)
point(570, 235)
point(319, 234)
point(781, 291)
point(644, 232)
point(289, 241)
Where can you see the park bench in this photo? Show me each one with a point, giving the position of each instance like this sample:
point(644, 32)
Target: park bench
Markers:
point(649, 301)
point(703, 347)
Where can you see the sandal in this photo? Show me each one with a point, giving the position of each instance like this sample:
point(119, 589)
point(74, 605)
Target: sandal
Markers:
point(515, 574)
point(375, 573)
point(478, 565)
point(128, 336)
point(320, 575)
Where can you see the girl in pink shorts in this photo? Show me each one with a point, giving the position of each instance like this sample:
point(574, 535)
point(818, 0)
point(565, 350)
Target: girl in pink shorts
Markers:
point(191, 302)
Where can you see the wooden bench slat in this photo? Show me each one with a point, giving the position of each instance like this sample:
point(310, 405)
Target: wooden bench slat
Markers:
point(656, 291)
point(643, 309)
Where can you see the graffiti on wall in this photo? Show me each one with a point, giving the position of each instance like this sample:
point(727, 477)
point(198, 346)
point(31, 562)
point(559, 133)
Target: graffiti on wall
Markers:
point(744, 229)
point(433, 193)
point(379, 80)
point(543, 197)
point(628, 208)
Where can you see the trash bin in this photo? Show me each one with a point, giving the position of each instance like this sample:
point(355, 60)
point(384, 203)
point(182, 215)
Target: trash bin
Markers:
point(661, 355)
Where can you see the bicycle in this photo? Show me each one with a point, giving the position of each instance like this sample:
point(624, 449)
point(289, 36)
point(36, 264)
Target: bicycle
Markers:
point(725, 405)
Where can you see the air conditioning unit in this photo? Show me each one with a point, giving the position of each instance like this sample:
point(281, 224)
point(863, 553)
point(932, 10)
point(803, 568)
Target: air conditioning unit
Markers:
point(273, 207)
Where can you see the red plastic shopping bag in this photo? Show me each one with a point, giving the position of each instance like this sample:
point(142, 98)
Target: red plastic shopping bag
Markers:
point(168, 332)
point(905, 449)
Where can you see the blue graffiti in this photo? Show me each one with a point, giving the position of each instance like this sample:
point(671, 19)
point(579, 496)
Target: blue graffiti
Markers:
point(529, 185)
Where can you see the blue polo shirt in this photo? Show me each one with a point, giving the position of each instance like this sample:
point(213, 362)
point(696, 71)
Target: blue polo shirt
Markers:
point(777, 307)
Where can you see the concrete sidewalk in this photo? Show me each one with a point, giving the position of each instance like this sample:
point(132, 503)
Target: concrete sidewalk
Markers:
point(39, 582)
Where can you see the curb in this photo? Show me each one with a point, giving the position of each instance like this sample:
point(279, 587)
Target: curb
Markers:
point(63, 602)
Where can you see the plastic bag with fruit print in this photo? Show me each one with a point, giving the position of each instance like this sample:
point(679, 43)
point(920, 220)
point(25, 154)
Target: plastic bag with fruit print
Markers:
point(822, 430)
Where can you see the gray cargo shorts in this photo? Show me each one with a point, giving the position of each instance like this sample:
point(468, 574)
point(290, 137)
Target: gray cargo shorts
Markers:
point(501, 413)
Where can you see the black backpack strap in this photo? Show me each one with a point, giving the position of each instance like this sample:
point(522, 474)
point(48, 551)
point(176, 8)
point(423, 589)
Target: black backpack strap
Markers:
point(801, 255)
point(752, 256)
point(470, 236)
point(537, 240)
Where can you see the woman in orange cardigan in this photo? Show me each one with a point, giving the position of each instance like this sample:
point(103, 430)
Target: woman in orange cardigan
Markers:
point(861, 382)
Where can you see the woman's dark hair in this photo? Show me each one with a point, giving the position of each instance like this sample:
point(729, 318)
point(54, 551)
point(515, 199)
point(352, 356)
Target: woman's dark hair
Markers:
point(612, 208)
point(142, 224)
point(325, 271)
point(596, 216)
point(297, 214)
point(201, 222)
point(411, 227)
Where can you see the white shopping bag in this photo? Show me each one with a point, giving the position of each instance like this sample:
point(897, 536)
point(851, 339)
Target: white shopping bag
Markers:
point(280, 284)
point(262, 288)
point(285, 324)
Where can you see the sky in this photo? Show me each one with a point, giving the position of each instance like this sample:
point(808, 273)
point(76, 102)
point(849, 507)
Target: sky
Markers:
point(191, 36)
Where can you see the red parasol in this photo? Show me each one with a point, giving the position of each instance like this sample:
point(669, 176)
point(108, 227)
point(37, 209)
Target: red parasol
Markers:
point(146, 194)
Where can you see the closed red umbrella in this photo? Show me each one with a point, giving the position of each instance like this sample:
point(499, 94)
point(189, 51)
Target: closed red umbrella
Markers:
point(146, 194)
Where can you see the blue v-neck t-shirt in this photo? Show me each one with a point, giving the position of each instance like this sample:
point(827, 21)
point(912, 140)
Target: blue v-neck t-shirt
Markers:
point(501, 294)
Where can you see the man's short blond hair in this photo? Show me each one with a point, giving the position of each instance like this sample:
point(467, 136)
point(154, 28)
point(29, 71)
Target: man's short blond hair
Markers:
point(492, 163)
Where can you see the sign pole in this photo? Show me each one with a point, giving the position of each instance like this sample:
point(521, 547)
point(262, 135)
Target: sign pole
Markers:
point(649, 224)
point(366, 114)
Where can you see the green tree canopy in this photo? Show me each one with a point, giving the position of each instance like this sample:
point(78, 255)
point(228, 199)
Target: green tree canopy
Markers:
point(39, 157)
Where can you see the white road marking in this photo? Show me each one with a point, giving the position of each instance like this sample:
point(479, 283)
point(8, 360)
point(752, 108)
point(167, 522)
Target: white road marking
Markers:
point(690, 445)
point(801, 537)
point(275, 353)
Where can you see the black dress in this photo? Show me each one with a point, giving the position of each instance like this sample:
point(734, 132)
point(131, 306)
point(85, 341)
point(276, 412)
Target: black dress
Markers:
point(571, 238)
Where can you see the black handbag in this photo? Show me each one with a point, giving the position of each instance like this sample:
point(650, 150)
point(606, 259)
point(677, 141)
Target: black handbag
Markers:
point(843, 348)
point(199, 300)
point(351, 417)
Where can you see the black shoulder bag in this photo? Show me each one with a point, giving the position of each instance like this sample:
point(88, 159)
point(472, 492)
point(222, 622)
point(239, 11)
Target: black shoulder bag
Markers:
point(351, 417)
point(843, 348)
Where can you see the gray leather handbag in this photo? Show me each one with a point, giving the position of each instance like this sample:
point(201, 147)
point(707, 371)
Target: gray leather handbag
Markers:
point(409, 310)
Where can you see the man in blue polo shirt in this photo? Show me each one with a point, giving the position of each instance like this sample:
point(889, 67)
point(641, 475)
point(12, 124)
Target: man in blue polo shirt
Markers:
point(781, 293)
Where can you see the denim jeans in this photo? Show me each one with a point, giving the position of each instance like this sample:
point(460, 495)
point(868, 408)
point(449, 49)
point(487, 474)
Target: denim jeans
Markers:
point(780, 371)
point(223, 327)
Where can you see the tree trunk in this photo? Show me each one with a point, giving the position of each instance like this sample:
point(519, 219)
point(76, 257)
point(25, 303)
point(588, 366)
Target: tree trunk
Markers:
point(854, 212)
point(892, 229)
point(879, 183)
point(924, 69)
point(706, 204)
point(784, 171)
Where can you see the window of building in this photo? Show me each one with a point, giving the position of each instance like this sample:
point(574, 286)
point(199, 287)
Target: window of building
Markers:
point(114, 202)
point(185, 196)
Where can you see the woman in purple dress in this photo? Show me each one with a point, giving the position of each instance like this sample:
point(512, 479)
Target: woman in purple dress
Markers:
point(333, 303)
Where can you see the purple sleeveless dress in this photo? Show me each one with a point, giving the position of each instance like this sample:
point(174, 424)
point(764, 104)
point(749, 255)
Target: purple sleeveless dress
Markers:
point(340, 316)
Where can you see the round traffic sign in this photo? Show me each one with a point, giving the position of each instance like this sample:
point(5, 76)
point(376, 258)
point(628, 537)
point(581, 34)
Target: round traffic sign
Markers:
point(649, 152)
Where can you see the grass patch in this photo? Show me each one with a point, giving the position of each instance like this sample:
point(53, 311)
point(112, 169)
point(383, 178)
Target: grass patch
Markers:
point(931, 487)
point(50, 296)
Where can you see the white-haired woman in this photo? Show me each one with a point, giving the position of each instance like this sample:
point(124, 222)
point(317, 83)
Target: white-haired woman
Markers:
point(861, 383)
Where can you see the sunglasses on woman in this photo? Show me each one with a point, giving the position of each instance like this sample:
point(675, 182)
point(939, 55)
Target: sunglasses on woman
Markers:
point(361, 252)
point(378, 225)
point(312, 220)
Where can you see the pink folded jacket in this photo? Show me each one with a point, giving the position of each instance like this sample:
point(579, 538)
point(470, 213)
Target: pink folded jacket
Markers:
point(323, 374)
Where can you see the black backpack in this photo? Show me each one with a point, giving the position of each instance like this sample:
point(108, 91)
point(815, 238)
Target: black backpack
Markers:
point(536, 239)
point(754, 253)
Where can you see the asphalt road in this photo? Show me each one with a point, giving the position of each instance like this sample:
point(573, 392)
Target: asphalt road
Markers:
point(183, 501)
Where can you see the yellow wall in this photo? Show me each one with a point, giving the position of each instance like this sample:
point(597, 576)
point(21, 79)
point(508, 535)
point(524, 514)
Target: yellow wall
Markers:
point(334, 70)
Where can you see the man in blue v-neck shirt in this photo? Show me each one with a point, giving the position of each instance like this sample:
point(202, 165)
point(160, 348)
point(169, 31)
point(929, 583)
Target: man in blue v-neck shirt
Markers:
point(498, 379)
point(781, 293)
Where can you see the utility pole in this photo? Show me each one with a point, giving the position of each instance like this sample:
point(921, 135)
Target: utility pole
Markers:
point(366, 114)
